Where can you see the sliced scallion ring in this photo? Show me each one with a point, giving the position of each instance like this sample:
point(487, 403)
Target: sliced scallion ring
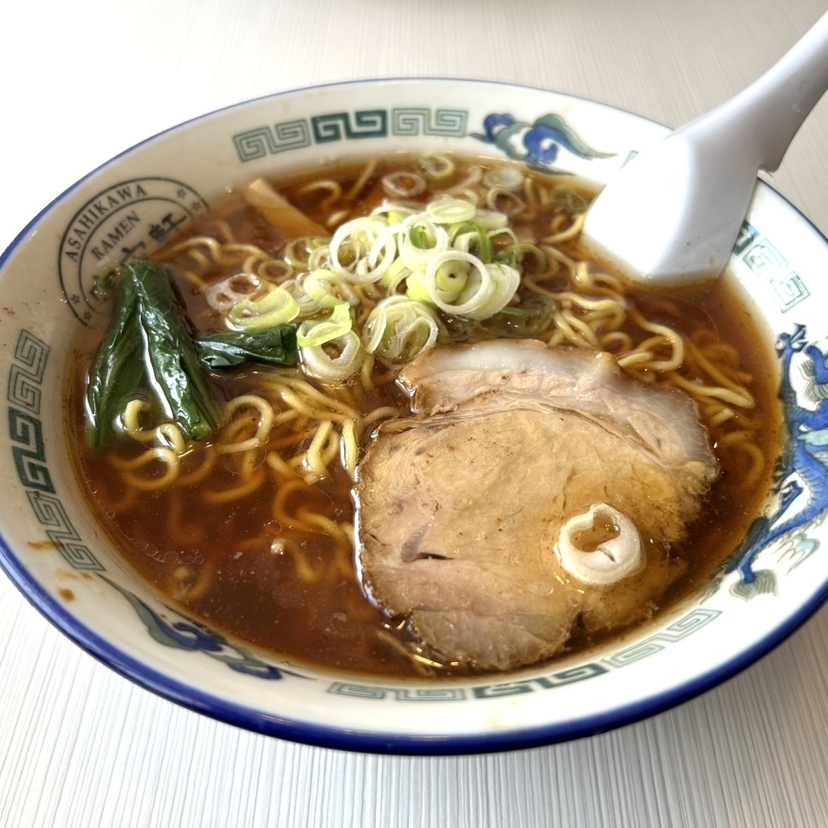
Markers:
point(403, 184)
point(428, 238)
point(415, 289)
point(307, 306)
point(298, 251)
point(451, 278)
point(395, 275)
point(396, 211)
point(329, 289)
point(338, 359)
point(526, 250)
point(491, 219)
point(399, 329)
point(369, 245)
point(477, 289)
point(468, 233)
point(508, 178)
point(313, 332)
point(240, 287)
point(488, 289)
point(505, 201)
point(448, 210)
point(436, 166)
point(506, 280)
point(277, 307)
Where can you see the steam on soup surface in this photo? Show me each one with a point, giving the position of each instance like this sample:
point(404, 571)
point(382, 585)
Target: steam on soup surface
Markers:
point(364, 274)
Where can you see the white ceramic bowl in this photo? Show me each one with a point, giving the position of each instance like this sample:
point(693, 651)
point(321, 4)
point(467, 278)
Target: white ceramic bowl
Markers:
point(53, 551)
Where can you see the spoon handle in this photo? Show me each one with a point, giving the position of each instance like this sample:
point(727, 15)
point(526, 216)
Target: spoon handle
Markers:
point(701, 176)
point(763, 118)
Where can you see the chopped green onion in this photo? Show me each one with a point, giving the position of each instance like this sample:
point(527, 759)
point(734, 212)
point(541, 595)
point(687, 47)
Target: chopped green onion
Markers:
point(403, 184)
point(222, 295)
point(297, 253)
point(491, 219)
point(524, 250)
point(506, 281)
point(395, 211)
point(399, 329)
point(395, 275)
point(415, 289)
point(436, 166)
point(277, 307)
point(476, 290)
point(450, 278)
point(371, 245)
point(463, 235)
point(488, 289)
point(568, 201)
point(499, 197)
point(508, 178)
point(419, 238)
point(307, 306)
point(338, 359)
point(329, 289)
point(449, 210)
point(435, 238)
point(315, 332)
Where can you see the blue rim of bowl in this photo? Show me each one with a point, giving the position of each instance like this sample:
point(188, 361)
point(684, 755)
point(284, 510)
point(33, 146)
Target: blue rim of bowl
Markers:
point(338, 738)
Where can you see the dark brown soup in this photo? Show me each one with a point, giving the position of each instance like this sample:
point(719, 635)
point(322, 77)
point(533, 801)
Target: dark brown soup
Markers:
point(251, 530)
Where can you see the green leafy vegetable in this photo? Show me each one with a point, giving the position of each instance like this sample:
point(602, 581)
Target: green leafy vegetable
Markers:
point(148, 352)
point(116, 372)
point(274, 346)
point(526, 321)
point(518, 321)
point(175, 373)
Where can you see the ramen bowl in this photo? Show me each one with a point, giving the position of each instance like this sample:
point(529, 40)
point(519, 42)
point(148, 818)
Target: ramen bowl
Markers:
point(55, 552)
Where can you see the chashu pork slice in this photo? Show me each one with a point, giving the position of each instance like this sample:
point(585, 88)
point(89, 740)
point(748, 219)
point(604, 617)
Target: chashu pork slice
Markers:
point(461, 507)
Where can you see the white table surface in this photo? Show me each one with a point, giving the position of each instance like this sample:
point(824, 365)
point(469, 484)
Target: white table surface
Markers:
point(81, 746)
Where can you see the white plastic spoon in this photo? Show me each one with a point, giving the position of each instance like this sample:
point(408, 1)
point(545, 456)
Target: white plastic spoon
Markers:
point(672, 214)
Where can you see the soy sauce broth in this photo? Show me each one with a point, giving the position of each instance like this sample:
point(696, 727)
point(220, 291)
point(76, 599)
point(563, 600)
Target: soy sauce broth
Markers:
point(223, 562)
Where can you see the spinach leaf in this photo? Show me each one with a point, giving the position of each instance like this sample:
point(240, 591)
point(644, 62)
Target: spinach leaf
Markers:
point(273, 346)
